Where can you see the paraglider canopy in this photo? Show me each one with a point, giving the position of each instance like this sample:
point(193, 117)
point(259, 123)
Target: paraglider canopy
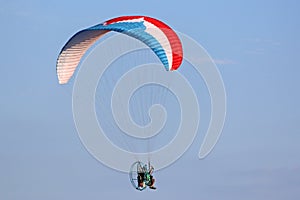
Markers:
point(158, 36)
point(155, 34)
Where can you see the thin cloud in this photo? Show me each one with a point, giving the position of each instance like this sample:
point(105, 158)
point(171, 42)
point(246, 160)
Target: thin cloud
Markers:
point(256, 51)
point(215, 61)
point(261, 41)
point(224, 61)
point(259, 46)
point(11, 8)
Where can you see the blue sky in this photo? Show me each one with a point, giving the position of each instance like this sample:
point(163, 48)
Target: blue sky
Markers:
point(256, 47)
